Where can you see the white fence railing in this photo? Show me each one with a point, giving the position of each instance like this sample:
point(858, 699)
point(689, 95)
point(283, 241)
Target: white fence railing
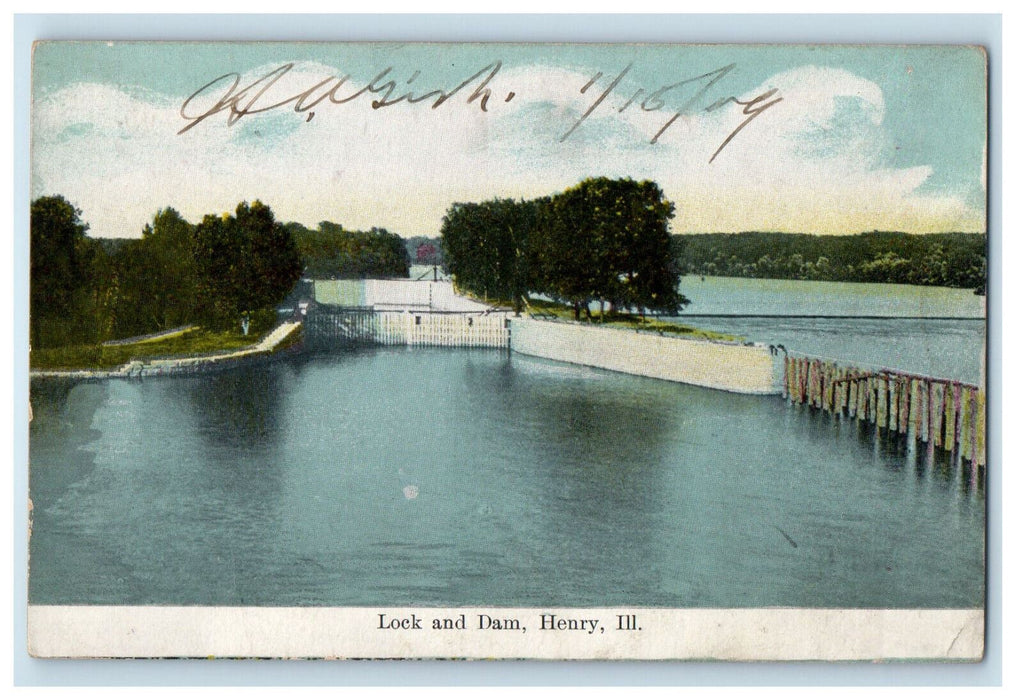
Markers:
point(341, 326)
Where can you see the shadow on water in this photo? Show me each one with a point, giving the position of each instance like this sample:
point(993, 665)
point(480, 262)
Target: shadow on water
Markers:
point(240, 408)
point(63, 412)
point(60, 460)
point(930, 464)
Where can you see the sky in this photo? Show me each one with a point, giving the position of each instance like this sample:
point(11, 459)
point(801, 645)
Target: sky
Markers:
point(810, 139)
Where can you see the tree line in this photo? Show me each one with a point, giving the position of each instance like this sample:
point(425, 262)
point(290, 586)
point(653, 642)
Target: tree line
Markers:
point(603, 240)
point(226, 272)
point(939, 259)
point(331, 251)
point(215, 273)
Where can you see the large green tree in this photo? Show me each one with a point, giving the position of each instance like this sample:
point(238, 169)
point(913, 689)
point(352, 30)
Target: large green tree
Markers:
point(486, 247)
point(156, 277)
point(607, 240)
point(244, 263)
point(59, 262)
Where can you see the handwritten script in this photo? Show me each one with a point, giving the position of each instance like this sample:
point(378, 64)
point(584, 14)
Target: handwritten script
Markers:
point(226, 94)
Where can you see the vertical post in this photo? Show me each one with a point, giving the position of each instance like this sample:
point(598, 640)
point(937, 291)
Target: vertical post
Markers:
point(967, 424)
point(872, 398)
point(903, 410)
point(925, 397)
point(957, 418)
point(937, 412)
point(980, 436)
point(949, 419)
point(841, 390)
point(918, 386)
point(895, 414)
point(829, 388)
point(811, 383)
point(911, 406)
point(894, 402)
point(820, 384)
point(882, 402)
point(862, 389)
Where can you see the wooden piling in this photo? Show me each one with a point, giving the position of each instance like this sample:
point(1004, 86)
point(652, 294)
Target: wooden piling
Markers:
point(925, 411)
point(893, 401)
point(937, 412)
point(967, 424)
point(949, 418)
point(979, 435)
point(905, 405)
point(880, 417)
point(846, 391)
point(913, 414)
point(829, 388)
point(945, 414)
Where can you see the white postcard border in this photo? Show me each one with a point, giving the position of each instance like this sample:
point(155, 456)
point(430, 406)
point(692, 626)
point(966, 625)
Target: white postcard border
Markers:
point(761, 634)
point(865, 27)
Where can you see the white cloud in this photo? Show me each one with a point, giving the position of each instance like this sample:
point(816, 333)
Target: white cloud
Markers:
point(813, 162)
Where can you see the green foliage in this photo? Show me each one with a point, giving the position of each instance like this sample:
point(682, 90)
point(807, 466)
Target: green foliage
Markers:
point(631, 322)
point(486, 246)
point(601, 240)
point(243, 263)
point(607, 240)
point(331, 252)
point(61, 260)
point(85, 291)
point(155, 276)
point(939, 259)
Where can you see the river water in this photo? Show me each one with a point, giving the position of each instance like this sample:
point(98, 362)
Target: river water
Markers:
point(401, 476)
point(934, 331)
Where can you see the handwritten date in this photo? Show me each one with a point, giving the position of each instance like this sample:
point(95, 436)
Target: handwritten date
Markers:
point(227, 94)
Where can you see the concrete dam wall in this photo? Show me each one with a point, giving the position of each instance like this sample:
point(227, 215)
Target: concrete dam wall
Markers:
point(745, 369)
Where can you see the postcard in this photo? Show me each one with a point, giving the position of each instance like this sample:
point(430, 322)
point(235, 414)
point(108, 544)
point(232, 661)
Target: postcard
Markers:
point(514, 351)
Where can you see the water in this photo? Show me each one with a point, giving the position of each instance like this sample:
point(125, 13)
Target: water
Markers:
point(398, 476)
point(734, 295)
point(934, 331)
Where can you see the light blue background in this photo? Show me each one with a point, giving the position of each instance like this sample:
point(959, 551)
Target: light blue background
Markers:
point(892, 29)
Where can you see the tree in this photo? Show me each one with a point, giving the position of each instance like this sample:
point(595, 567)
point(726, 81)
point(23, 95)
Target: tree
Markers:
point(485, 247)
point(332, 252)
point(59, 279)
point(608, 240)
point(244, 263)
point(156, 277)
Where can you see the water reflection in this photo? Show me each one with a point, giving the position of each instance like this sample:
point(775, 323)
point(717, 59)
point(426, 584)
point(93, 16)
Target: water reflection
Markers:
point(239, 409)
point(596, 452)
point(436, 477)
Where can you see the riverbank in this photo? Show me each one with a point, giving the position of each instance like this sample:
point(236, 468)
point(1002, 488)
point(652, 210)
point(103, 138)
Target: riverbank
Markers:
point(280, 338)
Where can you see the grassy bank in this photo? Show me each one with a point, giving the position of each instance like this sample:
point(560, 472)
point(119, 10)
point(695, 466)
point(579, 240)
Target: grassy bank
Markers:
point(193, 342)
point(626, 321)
